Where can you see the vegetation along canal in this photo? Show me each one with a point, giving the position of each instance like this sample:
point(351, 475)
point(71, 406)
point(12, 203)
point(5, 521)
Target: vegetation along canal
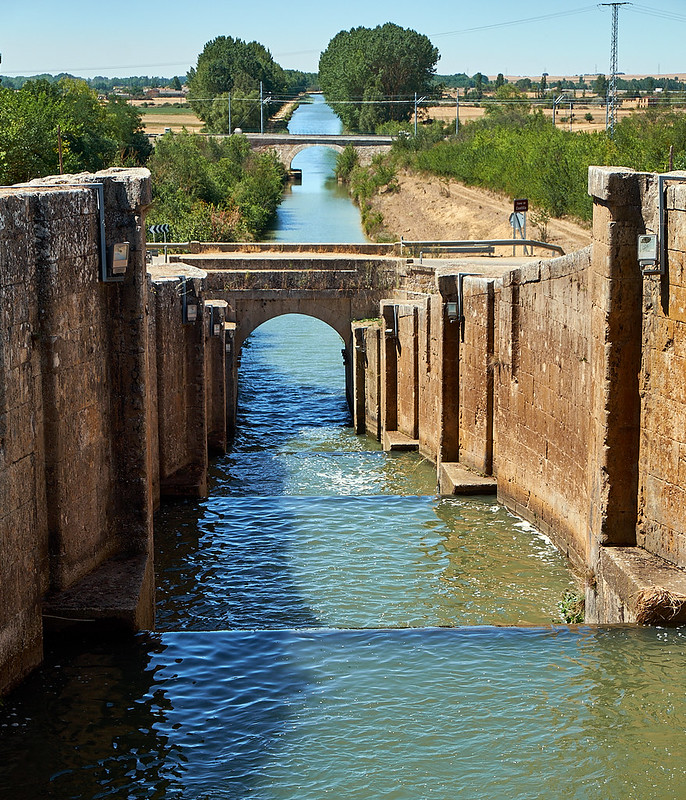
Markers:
point(327, 628)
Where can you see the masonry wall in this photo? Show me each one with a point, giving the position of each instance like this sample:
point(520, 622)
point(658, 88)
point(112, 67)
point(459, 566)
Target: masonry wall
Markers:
point(74, 428)
point(407, 367)
point(430, 323)
point(367, 337)
point(662, 462)
point(181, 389)
point(476, 366)
point(215, 376)
point(24, 565)
point(543, 398)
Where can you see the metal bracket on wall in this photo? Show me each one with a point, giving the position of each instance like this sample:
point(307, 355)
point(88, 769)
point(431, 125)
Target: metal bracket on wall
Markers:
point(190, 304)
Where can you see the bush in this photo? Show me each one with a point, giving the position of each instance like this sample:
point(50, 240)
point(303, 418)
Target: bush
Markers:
point(214, 190)
point(346, 162)
point(524, 156)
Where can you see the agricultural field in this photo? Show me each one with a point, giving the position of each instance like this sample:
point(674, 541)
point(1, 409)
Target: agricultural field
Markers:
point(164, 115)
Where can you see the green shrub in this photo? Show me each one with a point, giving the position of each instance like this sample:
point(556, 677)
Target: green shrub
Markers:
point(523, 155)
point(214, 189)
point(346, 163)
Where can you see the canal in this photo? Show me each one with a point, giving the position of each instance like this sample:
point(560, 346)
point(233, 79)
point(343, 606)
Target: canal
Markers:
point(329, 627)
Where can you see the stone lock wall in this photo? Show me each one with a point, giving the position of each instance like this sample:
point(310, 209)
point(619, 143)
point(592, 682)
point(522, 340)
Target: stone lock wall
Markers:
point(74, 444)
point(543, 394)
point(109, 400)
point(181, 388)
point(643, 580)
point(565, 379)
point(24, 561)
point(662, 462)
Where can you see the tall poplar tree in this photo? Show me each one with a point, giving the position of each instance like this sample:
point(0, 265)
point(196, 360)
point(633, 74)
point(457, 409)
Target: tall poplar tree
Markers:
point(382, 67)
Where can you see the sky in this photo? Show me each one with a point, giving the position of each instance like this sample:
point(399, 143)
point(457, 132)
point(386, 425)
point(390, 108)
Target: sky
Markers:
point(149, 37)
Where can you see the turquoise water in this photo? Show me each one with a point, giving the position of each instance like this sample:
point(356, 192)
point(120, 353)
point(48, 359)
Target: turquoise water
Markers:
point(300, 656)
point(278, 715)
point(319, 210)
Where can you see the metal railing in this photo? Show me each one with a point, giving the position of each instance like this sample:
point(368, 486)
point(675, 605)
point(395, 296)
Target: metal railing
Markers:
point(483, 246)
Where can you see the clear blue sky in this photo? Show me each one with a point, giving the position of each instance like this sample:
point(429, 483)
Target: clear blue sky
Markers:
point(124, 37)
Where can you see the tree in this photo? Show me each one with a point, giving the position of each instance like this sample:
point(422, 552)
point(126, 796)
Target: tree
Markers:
point(176, 83)
point(599, 86)
point(232, 65)
point(386, 63)
point(544, 85)
point(511, 106)
point(93, 135)
point(213, 189)
point(499, 81)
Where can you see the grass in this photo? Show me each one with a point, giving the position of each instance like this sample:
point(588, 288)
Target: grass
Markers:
point(571, 608)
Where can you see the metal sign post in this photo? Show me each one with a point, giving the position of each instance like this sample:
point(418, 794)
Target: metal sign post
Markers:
point(518, 221)
point(164, 230)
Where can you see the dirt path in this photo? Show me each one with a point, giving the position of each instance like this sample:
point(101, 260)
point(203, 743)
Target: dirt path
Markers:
point(429, 207)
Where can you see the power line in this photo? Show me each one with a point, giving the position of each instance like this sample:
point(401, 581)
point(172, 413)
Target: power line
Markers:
point(525, 21)
point(492, 26)
point(657, 12)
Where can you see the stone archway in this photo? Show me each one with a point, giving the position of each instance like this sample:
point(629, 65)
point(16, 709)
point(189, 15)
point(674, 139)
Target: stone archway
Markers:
point(287, 146)
point(250, 314)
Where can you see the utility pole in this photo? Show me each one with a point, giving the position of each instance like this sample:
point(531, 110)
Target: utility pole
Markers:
point(261, 110)
point(457, 110)
point(229, 113)
point(612, 93)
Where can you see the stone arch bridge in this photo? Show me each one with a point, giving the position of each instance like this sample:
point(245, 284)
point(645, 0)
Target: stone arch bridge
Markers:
point(287, 146)
point(334, 287)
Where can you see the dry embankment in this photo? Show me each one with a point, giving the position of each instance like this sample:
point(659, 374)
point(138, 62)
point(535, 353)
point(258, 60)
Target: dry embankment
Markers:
point(428, 207)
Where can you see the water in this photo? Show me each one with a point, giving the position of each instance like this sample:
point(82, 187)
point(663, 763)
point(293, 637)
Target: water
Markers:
point(301, 652)
point(320, 209)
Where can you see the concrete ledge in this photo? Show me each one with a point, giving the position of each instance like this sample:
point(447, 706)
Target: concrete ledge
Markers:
point(394, 440)
point(615, 185)
point(188, 481)
point(118, 596)
point(453, 478)
point(636, 586)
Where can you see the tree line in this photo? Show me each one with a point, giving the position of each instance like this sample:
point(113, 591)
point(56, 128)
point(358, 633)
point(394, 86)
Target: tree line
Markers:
point(374, 78)
point(207, 189)
point(42, 119)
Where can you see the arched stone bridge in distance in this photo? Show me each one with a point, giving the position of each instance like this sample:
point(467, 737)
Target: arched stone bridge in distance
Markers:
point(288, 145)
point(336, 284)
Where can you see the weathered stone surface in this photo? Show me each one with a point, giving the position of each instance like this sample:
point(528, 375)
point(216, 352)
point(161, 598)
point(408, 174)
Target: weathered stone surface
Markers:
point(74, 443)
point(182, 430)
point(634, 585)
point(456, 479)
point(117, 596)
point(394, 440)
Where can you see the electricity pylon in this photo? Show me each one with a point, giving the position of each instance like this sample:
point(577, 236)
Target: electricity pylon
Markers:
point(612, 90)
